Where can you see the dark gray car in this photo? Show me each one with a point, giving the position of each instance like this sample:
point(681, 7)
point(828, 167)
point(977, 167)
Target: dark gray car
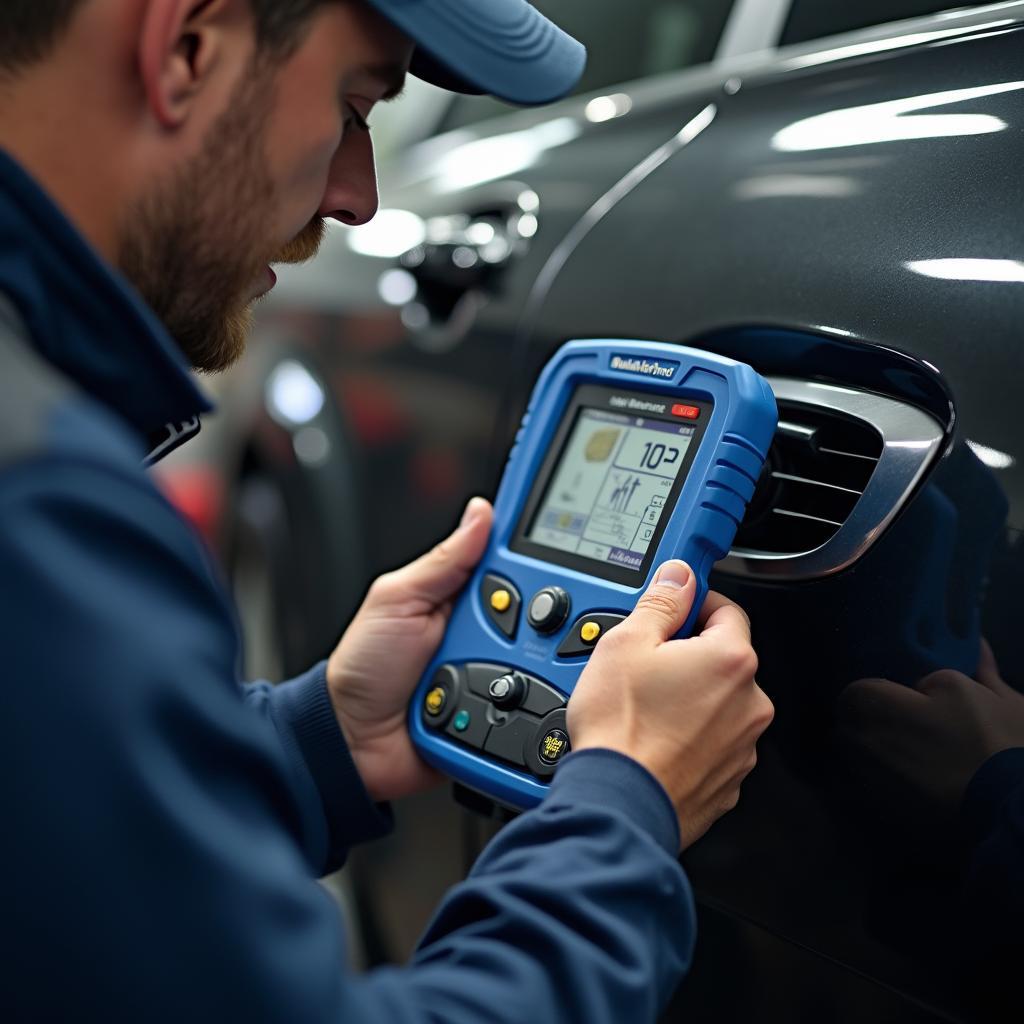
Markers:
point(844, 213)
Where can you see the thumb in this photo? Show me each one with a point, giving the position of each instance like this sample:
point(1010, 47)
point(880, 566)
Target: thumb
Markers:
point(440, 574)
point(988, 669)
point(666, 603)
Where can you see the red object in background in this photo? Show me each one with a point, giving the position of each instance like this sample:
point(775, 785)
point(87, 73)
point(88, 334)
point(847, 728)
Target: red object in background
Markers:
point(688, 412)
point(438, 475)
point(197, 492)
point(374, 410)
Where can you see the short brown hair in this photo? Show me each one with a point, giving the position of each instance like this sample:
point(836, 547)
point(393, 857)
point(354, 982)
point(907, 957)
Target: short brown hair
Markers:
point(29, 28)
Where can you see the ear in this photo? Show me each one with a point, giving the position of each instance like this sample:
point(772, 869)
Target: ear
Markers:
point(180, 44)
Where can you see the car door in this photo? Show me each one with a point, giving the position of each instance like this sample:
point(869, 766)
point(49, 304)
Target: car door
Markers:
point(846, 219)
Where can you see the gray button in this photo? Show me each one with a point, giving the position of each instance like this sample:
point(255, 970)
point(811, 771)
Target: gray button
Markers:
point(501, 687)
point(542, 606)
point(480, 675)
point(548, 609)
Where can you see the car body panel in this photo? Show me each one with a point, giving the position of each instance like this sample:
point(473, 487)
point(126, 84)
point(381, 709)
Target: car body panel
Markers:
point(847, 212)
point(850, 204)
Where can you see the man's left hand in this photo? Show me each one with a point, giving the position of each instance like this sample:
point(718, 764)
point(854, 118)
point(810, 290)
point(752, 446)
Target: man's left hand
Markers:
point(926, 742)
point(375, 668)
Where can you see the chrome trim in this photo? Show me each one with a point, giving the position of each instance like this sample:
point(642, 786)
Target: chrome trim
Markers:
point(816, 483)
point(910, 442)
point(892, 36)
point(797, 430)
point(754, 26)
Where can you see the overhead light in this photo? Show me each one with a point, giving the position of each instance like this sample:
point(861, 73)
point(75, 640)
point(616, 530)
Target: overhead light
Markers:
point(389, 234)
point(526, 226)
point(501, 155)
point(992, 457)
point(528, 201)
point(802, 186)
point(970, 270)
point(397, 287)
point(480, 232)
point(293, 396)
point(892, 43)
point(605, 108)
point(312, 446)
point(892, 121)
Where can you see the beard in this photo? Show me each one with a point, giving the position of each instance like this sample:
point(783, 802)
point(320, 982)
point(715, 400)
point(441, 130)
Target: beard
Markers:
point(196, 247)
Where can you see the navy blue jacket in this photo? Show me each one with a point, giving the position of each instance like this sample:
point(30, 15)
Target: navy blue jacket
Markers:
point(163, 823)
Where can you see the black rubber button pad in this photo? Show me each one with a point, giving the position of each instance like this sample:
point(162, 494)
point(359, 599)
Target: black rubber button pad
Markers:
point(508, 620)
point(540, 698)
point(508, 741)
point(475, 734)
point(574, 645)
point(507, 736)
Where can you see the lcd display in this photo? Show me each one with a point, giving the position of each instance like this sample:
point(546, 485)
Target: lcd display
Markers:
point(611, 486)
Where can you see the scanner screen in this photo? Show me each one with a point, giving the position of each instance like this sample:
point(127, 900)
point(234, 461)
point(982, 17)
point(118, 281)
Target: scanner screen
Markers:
point(611, 486)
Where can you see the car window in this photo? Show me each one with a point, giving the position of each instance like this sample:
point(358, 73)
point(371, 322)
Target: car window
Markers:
point(625, 41)
point(812, 19)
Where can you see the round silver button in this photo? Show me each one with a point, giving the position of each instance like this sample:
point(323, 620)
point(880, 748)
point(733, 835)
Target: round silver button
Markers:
point(542, 606)
point(501, 687)
point(548, 609)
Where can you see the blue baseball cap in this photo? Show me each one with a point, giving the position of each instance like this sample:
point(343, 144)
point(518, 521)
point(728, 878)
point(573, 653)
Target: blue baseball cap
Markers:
point(503, 47)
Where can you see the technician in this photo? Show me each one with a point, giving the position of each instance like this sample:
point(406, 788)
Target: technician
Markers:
point(163, 823)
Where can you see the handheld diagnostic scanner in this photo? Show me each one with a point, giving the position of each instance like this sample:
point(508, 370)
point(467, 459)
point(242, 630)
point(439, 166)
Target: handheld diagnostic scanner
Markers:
point(630, 453)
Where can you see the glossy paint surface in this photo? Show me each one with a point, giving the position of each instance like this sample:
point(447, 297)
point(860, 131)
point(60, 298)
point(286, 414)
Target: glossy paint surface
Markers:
point(874, 205)
point(850, 216)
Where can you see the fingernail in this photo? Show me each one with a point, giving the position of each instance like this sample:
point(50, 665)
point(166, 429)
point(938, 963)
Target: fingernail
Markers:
point(673, 574)
point(472, 512)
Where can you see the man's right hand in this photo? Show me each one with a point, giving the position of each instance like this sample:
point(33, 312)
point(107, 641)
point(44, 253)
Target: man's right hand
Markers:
point(689, 710)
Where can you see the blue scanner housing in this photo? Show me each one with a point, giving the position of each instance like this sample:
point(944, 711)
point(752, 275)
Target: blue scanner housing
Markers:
point(630, 453)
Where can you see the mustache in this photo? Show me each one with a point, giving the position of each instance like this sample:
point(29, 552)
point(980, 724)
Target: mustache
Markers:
point(305, 245)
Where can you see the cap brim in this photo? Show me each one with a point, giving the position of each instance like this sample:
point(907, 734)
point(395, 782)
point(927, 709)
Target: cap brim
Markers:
point(503, 47)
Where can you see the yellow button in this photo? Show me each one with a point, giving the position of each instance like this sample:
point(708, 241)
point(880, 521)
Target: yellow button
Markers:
point(589, 632)
point(501, 600)
point(435, 700)
point(554, 744)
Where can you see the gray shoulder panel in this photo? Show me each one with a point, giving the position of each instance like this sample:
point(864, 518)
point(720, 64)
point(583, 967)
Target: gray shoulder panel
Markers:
point(30, 390)
point(43, 412)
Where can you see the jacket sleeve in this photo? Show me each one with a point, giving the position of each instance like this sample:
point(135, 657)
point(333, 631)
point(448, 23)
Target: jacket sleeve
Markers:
point(304, 720)
point(993, 819)
point(164, 843)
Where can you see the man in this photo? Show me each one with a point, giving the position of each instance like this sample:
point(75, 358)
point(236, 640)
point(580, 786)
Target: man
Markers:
point(164, 824)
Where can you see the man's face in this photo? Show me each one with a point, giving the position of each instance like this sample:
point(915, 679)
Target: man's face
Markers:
point(289, 151)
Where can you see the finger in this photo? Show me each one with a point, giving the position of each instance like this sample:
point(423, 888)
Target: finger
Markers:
point(439, 575)
point(712, 602)
point(944, 680)
point(988, 669)
point(722, 618)
point(663, 608)
point(867, 702)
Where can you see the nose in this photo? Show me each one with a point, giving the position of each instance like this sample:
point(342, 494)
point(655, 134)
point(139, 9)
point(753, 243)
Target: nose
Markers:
point(351, 193)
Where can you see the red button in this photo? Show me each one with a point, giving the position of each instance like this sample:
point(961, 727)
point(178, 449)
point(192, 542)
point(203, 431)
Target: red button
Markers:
point(688, 412)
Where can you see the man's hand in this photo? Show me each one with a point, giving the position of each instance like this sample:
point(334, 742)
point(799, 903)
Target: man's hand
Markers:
point(688, 710)
point(931, 738)
point(373, 671)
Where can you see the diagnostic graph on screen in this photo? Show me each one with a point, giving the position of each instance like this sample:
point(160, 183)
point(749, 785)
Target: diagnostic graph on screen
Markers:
point(611, 486)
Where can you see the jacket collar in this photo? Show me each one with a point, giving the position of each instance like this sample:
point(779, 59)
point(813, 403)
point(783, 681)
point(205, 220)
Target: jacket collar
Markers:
point(87, 321)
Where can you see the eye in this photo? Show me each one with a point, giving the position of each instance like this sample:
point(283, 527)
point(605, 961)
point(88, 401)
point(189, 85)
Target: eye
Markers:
point(353, 117)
